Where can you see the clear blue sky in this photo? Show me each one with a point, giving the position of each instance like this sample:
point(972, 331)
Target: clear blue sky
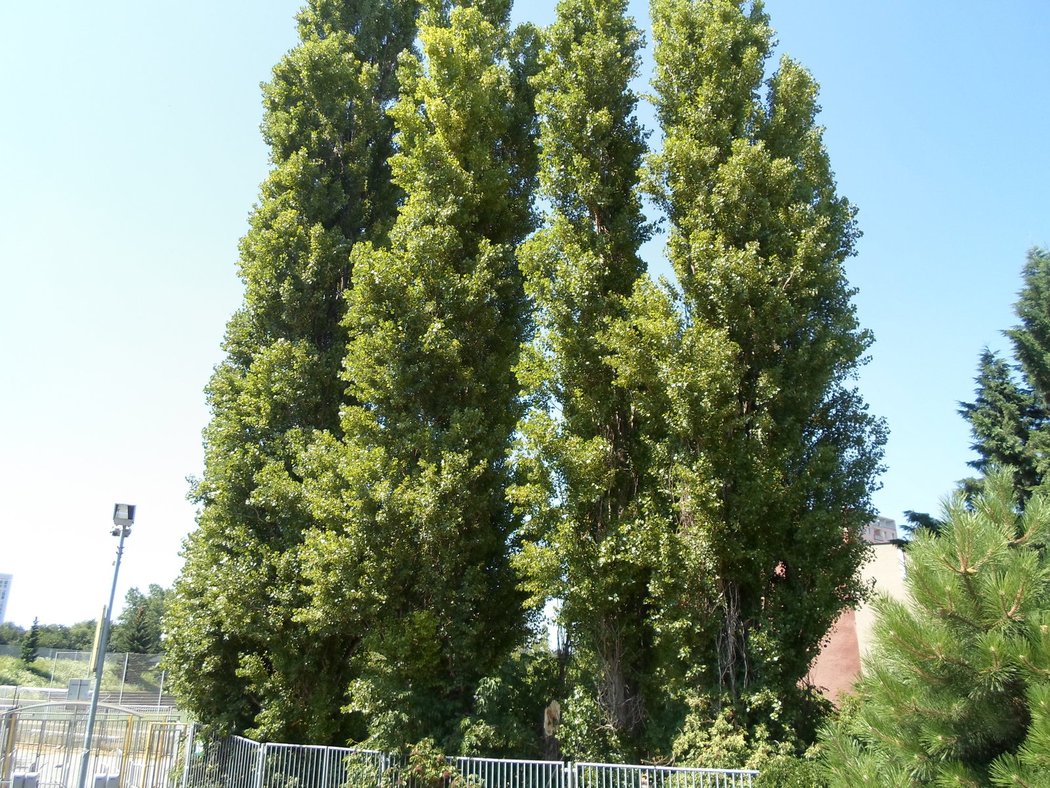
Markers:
point(130, 158)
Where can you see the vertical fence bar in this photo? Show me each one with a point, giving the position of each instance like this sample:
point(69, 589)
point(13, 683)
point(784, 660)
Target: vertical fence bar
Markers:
point(260, 766)
point(187, 753)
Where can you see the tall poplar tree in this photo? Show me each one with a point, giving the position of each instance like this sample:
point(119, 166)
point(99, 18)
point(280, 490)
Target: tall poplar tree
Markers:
point(413, 554)
point(583, 450)
point(238, 658)
point(772, 459)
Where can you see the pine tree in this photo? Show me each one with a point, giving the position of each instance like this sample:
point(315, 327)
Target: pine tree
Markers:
point(770, 452)
point(580, 472)
point(1003, 419)
point(956, 688)
point(1010, 416)
point(239, 660)
point(139, 628)
point(30, 642)
point(1031, 339)
point(413, 553)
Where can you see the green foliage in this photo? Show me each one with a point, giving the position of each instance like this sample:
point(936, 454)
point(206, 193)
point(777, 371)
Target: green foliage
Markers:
point(13, 671)
point(138, 629)
point(748, 733)
point(955, 690)
point(790, 771)
point(363, 770)
point(1031, 339)
point(1010, 416)
point(57, 671)
point(10, 633)
point(30, 643)
point(77, 637)
point(411, 555)
point(916, 521)
point(690, 458)
point(509, 706)
point(428, 768)
point(240, 660)
point(769, 455)
point(581, 457)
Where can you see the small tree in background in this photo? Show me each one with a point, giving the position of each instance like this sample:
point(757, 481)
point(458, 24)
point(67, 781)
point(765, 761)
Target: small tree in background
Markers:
point(30, 643)
point(138, 630)
point(11, 633)
point(957, 688)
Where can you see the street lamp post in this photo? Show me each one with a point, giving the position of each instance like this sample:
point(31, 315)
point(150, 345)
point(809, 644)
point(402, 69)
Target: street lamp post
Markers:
point(123, 519)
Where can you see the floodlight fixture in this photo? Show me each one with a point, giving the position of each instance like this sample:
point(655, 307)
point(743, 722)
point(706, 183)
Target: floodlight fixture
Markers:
point(123, 513)
point(123, 518)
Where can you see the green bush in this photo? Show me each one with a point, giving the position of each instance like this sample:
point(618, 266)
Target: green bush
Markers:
point(790, 771)
point(427, 768)
point(757, 730)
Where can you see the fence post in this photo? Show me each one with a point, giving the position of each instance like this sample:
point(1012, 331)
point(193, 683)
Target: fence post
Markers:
point(260, 766)
point(188, 753)
point(123, 679)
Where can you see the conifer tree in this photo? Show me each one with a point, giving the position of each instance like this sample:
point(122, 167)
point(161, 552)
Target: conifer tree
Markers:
point(581, 470)
point(1010, 416)
point(771, 454)
point(956, 688)
point(1031, 339)
point(1003, 419)
point(413, 552)
point(30, 643)
point(140, 625)
point(239, 660)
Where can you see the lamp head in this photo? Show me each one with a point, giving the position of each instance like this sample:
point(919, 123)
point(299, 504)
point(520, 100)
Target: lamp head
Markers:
point(123, 518)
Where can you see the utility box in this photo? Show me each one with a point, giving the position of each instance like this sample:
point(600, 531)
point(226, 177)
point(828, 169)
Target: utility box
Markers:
point(79, 689)
point(107, 781)
point(25, 781)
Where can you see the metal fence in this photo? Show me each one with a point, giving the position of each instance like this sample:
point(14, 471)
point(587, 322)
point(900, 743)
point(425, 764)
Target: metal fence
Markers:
point(604, 775)
point(41, 746)
point(241, 763)
point(130, 680)
point(134, 680)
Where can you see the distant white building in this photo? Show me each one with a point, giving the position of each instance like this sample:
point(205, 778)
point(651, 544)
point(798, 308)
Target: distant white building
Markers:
point(880, 531)
point(5, 589)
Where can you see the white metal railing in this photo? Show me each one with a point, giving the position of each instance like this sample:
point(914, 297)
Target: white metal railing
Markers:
point(323, 767)
point(237, 762)
point(233, 762)
point(605, 775)
point(496, 773)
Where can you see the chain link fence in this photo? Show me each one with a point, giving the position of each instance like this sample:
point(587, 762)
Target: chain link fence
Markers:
point(134, 681)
